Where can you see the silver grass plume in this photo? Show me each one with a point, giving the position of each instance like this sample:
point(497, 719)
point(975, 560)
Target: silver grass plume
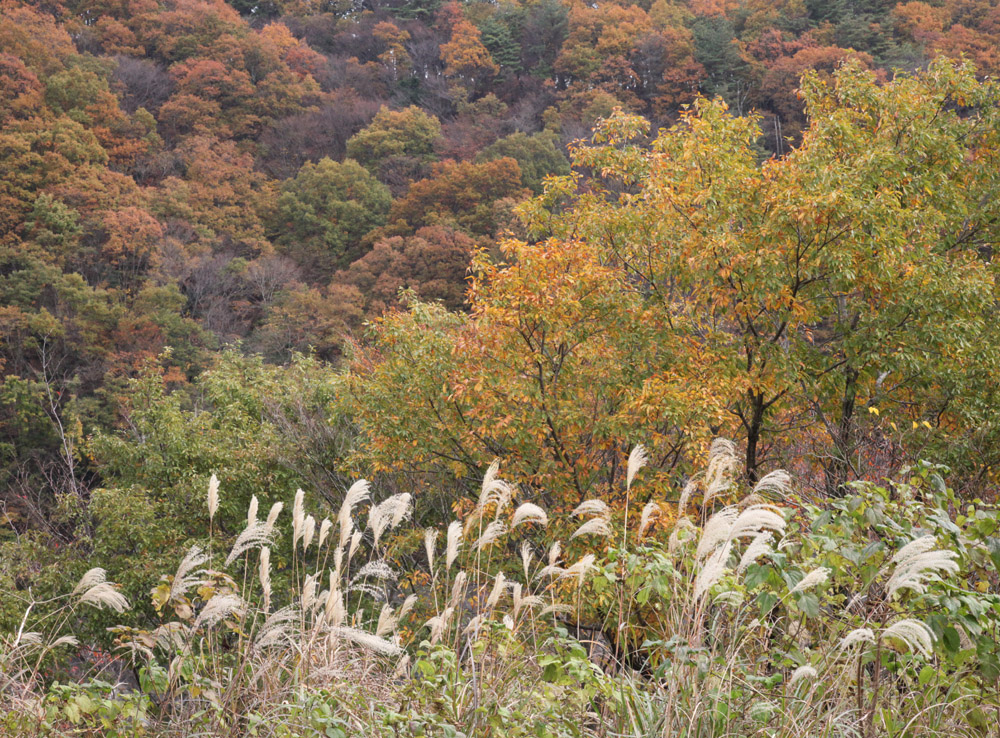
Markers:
point(213, 496)
point(94, 576)
point(499, 587)
point(715, 566)
point(264, 573)
point(918, 563)
point(356, 494)
point(914, 633)
point(367, 641)
point(439, 623)
point(650, 512)
point(324, 531)
point(220, 607)
point(683, 531)
point(722, 463)
point(252, 510)
point(355, 542)
point(406, 607)
point(594, 526)
point(454, 543)
point(309, 588)
point(493, 532)
point(473, 625)
point(557, 609)
point(636, 460)
point(103, 595)
point(755, 520)
point(522, 600)
point(775, 484)
point(458, 589)
point(386, 621)
point(378, 569)
point(529, 513)
point(272, 516)
point(430, 543)
point(856, 637)
point(759, 546)
point(298, 517)
point(803, 672)
point(685, 497)
point(184, 579)
point(277, 628)
point(526, 557)
point(716, 531)
point(579, 569)
point(308, 531)
point(334, 612)
point(552, 568)
point(813, 579)
point(593, 507)
point(253, 536)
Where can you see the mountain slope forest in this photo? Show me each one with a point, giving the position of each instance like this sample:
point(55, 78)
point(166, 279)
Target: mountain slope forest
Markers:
point(528, 367)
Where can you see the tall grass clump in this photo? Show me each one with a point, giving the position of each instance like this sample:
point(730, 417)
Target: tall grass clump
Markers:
point(716, 610)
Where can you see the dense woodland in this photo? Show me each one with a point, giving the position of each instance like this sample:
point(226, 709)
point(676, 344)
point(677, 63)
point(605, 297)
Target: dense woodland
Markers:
point(296, 242)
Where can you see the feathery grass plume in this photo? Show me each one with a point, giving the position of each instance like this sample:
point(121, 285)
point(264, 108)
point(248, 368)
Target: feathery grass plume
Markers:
point(494, 492)
point(594, 507)
point(813, 579)
point(308, 531)
point(356, 537)
point(386, 621)
point(298, 517)
point(183, 578)
point(499, 587)
point(252, 510)
point(722, 463)
point(367, 641)
point(439, 623)
point(406, 607)
point(356, 494)
point(855, 637)
point(93, 577)
point(716, 531)
point(508, 622)
point(272, 515)
point(636, 460)
point(473, 625)
point(776, 484)
point(650, 512)
point(324, 531)
point(334, 612)
point(458, 589)
point(918, 563)
point(454, 543)
point(554, 551)
point(253, 536)
point(755, 520)
point(213, 497)
point(685, 497)
point(105, 595)
point(218, 608)
point(522, 600)
point(526, 557)
point(277, 628)
point(594, 526)
point(683, 530)
point(557, 608)
point(759, 546)
point(171, 636)
point(712, 570)
point(401, 508)
point(529, 513)
point(579, 569)
point(803, 672)
point(309, 588)
point(493, 531)
point(338, 561)
point(378, 569)
point(66, 640)
point(382, 515)
point(430, 543)
point(914, 633)
point(264, 573)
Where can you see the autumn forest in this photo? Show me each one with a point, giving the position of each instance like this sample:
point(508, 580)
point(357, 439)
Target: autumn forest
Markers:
point(706, 289)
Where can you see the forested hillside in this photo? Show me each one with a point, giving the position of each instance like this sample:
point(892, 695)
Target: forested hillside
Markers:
point(254, 248)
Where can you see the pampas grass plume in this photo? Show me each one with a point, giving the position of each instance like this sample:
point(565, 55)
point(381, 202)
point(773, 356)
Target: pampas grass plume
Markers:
point(636, 460)
point(529, 513)
point(454, 543)
point(213, 496)
point(252, 510)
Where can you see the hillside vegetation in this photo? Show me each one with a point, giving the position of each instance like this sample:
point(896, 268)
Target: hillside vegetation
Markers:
point(525, 266)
